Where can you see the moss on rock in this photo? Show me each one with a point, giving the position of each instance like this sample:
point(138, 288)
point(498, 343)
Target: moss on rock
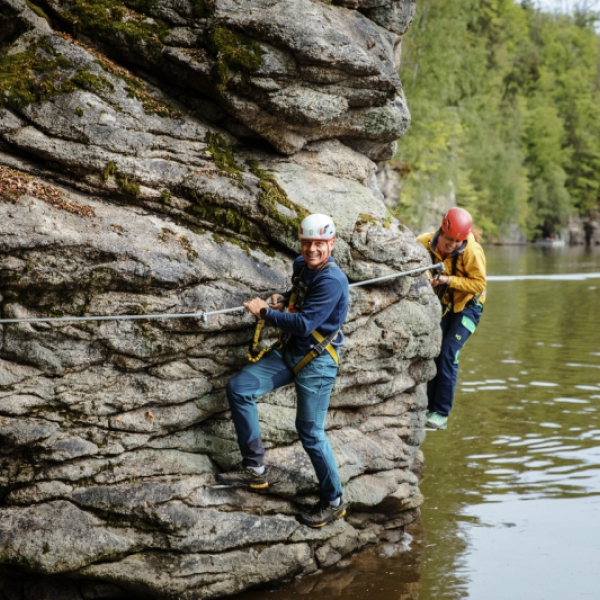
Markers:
point(233, 50)
point(110, 170)
point(364, 219)
point(38, 11)
point(40, 73)
point(211, 208)
point(222, 154)
point(152, 105)
point(128, 185)
point(272, 196)
point(187, 246)
point(32, 76)
point(221, 239)
point(103, 20)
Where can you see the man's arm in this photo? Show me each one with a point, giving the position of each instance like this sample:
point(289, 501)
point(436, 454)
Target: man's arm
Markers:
point(324, 296)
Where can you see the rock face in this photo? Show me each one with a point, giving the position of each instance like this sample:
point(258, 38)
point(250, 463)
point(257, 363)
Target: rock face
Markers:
point(156, 156)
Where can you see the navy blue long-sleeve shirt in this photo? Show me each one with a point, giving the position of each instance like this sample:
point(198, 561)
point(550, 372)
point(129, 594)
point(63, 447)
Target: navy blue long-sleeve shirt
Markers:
point(325, 306)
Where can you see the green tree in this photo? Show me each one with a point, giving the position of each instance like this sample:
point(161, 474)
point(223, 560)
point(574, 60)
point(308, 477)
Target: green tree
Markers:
point(505, 102)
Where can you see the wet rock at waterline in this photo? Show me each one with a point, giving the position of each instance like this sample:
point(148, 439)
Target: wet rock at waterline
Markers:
point(160, 162)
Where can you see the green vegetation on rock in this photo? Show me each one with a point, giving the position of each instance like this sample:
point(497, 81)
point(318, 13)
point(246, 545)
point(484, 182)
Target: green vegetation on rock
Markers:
point(211, 208)
point(273, 200)
point(152, 105)
point(220, 239)
point(104, 20)
point(135, 88)
point(39, 74)
point(88, 81)
point(129, 186)
point(32, 76)
point(364, 219)
point(234, 51)
point(222, 154)
point(187, 246)
point(38, 11)
point(273, 197)
point(110, 170)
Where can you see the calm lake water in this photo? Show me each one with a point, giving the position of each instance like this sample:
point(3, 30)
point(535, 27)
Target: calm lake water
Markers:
point(512, 488)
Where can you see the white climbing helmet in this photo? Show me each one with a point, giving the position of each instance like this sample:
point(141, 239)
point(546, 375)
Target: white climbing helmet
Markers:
point(317, 227)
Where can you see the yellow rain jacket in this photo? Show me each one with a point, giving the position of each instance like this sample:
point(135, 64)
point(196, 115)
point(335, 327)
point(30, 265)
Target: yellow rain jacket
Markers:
point(469, 279)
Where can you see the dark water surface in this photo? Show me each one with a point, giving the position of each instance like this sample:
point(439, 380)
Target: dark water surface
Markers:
point(512, 488)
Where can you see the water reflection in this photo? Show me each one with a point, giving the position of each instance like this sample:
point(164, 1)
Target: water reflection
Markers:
point(512, 486)
point(390, 571)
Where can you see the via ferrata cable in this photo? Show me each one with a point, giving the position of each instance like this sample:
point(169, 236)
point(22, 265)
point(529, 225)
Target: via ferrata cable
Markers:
point(203, 316)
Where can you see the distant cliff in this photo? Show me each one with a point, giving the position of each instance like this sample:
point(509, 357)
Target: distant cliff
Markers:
point(157, 156)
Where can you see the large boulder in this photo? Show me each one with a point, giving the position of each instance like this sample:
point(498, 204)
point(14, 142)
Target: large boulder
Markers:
point(157, 157)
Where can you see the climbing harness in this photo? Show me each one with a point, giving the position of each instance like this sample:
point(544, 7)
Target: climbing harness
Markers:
point(325, 344)
point(295, 303)
point(203, 316)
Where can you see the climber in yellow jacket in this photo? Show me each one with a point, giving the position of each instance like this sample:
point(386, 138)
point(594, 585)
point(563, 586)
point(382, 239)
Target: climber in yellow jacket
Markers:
point(461, 290)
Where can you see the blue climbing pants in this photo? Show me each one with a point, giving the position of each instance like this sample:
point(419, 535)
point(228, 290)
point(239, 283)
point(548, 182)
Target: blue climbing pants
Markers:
point(456, 329)
point(313, 388)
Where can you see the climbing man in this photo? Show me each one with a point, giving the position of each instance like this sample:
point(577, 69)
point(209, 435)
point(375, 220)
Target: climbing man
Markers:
point(461, 291)
point(317, 306)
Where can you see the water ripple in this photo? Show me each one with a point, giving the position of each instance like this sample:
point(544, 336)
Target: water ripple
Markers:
point(547, 466)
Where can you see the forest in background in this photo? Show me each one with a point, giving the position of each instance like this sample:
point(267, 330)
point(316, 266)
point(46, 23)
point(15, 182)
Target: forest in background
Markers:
point(505, 103)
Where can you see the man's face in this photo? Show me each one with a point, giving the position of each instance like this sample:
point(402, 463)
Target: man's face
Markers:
point(446, 244)
point(316, 252)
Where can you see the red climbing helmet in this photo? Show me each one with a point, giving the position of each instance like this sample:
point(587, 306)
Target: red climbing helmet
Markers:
point(457, 223)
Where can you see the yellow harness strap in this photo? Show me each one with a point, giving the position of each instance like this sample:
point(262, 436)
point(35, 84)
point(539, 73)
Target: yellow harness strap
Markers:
point(254, 354)
point(313, 354)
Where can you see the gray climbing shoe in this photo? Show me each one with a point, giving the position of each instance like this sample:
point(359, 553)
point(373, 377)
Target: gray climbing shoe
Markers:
point(322, 513)
point(246, 477)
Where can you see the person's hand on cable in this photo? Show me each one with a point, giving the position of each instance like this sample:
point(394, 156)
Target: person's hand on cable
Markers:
point(440, 280)
point(276, 301)
point(255, 305)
